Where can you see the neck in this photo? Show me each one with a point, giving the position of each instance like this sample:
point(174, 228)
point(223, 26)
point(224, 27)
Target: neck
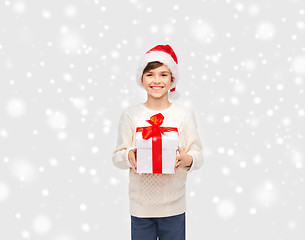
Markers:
point(157, 104)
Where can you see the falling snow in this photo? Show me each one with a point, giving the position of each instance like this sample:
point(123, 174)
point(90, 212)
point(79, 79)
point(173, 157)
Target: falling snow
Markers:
point(68, 71)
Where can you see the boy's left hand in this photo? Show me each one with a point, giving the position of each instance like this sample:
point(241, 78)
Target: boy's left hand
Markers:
point(183, 159)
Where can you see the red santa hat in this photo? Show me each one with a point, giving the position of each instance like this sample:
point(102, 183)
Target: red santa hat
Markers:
point(166, 55)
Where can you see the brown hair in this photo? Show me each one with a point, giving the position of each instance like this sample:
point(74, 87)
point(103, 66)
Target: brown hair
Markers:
point(150, 66)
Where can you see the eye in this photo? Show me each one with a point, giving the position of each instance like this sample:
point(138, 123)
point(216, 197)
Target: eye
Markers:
point(164, 75)
point(149, 74)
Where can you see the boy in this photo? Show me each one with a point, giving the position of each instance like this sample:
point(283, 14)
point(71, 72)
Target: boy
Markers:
point(157, 201)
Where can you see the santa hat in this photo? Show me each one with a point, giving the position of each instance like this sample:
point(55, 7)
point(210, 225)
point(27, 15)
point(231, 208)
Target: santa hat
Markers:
point(166, 55)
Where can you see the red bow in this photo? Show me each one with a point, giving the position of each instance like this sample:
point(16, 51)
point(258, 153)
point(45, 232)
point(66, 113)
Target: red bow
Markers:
point(155, 131)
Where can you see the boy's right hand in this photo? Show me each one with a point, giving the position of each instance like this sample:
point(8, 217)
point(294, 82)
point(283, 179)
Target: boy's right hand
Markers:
point(132, 156)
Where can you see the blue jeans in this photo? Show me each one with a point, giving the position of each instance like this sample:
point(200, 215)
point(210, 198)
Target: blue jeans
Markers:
point(166, 228)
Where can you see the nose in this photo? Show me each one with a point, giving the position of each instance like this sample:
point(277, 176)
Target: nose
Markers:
point(156, 79)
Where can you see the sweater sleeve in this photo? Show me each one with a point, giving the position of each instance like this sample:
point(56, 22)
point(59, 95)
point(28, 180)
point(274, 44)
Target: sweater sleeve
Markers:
point(192, 143)
point(124, 143)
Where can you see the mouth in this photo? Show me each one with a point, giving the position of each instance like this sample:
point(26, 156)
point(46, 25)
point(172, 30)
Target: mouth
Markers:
point(156, 87)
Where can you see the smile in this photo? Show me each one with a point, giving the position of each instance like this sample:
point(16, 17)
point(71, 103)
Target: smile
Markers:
point(156, 88)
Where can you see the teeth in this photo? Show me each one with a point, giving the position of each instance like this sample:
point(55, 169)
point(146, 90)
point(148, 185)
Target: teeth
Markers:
point(156, 87)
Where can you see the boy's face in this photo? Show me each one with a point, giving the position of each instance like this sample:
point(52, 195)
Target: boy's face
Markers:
point(157, 82)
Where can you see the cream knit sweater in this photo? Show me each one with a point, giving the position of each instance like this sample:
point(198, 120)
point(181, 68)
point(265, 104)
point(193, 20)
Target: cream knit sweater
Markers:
point(157, 195)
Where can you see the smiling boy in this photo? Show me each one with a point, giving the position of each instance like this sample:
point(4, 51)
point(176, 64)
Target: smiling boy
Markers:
point(157, 201)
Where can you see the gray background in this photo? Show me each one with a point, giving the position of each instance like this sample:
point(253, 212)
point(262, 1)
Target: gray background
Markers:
point(67, 71)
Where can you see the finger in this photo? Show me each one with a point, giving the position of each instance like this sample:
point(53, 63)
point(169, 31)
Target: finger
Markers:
point(132, 161)
point(181, 150)
point(133, 167)
point(134, 164)
point(135, 154)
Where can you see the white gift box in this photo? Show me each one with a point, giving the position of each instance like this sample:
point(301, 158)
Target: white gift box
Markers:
point(168, 153)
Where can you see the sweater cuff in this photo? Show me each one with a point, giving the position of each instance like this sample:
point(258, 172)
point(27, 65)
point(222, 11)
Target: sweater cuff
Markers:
point(126, 159)
point(194, 163)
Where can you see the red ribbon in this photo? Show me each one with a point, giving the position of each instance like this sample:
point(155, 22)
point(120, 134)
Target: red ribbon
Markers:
point(155, 132)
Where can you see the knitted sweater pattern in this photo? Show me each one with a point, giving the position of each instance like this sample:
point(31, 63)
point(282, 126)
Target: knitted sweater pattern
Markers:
point(157, 195)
